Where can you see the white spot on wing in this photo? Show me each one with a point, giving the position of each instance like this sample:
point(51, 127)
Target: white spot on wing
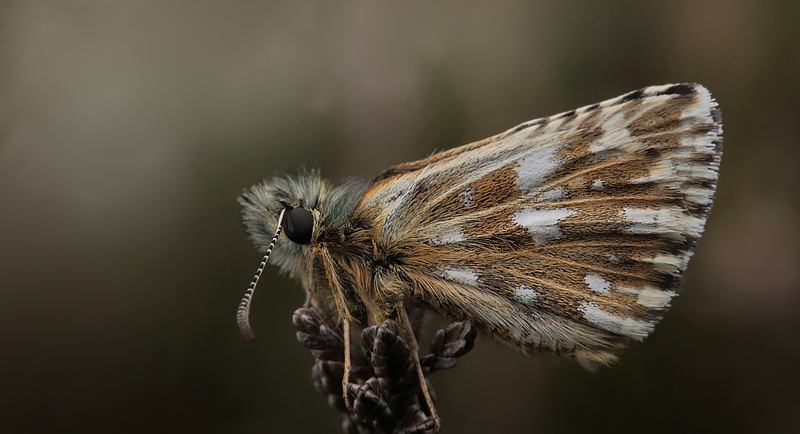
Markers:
point(449, 236)
point(700, 196)
point(624, 326)
point(525, 294)
point(653, 90)
point(670, 221)
point(542, 223)
point(460, 275)
point(598, 184)
point(668, 263)
point(654, 298)
point(679, 169)
point(552, 195)
point(467, 196)
point(597, 283)
point(616, 135)
point(536, 166)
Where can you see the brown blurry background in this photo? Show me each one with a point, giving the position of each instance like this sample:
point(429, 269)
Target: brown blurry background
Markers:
point(127, 129)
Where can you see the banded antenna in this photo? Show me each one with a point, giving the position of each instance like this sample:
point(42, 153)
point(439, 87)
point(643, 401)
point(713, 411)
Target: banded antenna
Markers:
point(243, 314)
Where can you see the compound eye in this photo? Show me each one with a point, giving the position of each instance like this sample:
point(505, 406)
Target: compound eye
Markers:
point(298, 224)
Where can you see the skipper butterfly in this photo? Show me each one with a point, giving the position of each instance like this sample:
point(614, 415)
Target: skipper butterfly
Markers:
point(567, 234)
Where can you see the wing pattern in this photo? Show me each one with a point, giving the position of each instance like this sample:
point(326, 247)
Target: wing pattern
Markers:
point(565, 232)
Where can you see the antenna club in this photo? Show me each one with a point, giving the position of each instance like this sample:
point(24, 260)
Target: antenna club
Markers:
point(247, 332)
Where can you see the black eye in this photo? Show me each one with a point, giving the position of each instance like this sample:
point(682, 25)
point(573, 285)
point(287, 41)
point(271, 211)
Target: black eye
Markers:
point(298, 223)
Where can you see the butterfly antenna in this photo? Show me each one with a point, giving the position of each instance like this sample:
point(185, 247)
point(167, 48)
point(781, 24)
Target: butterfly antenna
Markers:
point(243, 314)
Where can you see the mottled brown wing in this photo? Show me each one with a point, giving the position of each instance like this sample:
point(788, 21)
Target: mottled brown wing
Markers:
point(588, 217)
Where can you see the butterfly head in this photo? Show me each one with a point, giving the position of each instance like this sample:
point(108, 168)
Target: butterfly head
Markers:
point(299, 200)
point(288, 205)
point(285, 216)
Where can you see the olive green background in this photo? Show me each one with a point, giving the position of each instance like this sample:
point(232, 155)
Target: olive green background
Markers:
point(127, 129)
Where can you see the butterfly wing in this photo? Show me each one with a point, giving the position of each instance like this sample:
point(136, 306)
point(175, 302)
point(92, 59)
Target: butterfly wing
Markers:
point(565, 233)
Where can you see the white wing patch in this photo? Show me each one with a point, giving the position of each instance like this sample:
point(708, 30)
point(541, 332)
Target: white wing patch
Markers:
point(676, 171)
point(624, 326)
point(666, 221)
point(537, 165)
point(669, 263)
point(467, 196)
point(525, 294)
point(597, 283)
point(615, 138)
point(542, 223)
point(448, 236)
point(654, 298)
point(460, 275)
point(552, 195)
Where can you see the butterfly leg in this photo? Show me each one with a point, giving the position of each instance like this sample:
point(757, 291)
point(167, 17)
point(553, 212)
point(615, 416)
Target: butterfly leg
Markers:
point(345, 318)
point(347, 363)
point(408, 333)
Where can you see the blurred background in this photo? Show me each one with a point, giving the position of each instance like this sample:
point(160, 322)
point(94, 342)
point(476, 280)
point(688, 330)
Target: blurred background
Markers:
point(127, 130)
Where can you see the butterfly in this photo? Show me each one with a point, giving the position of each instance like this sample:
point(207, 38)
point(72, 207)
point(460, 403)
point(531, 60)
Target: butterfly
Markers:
point(567, 234)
